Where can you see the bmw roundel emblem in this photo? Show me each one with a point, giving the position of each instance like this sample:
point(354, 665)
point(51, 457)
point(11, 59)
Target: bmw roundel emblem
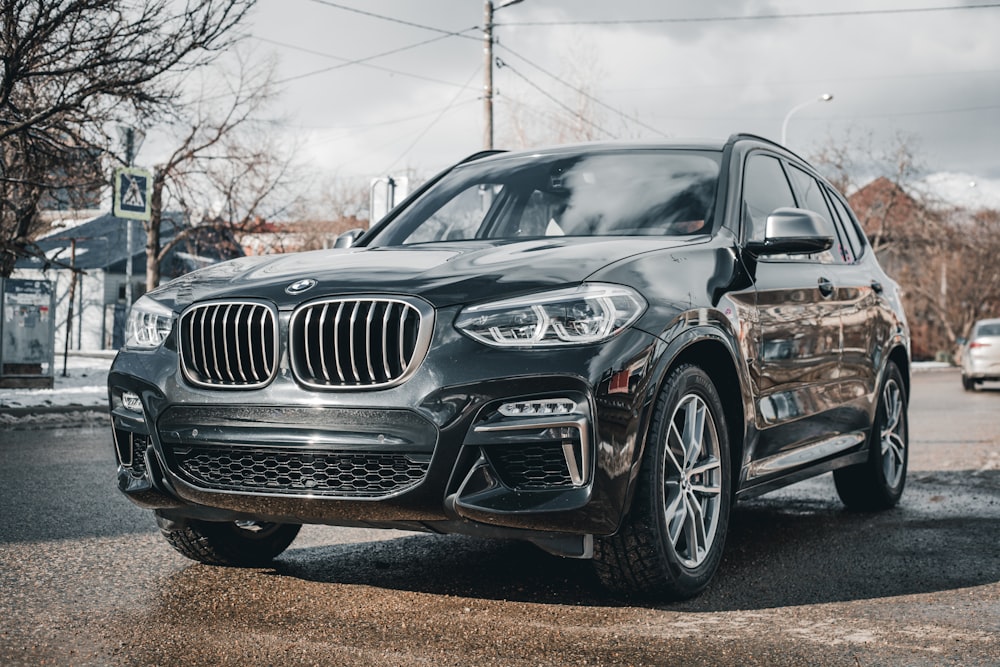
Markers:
point(300, 286)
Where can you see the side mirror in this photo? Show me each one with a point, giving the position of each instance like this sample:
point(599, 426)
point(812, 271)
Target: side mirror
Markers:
point(348, 238)
point(793, 231)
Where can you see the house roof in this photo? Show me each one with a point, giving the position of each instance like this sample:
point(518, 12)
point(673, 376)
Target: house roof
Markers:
point(883, 206)
point(101, 244)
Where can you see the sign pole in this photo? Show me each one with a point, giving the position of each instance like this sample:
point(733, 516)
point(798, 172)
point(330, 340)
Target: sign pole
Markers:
point(129, 158)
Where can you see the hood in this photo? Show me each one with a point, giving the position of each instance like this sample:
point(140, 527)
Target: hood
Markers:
point(442, 273)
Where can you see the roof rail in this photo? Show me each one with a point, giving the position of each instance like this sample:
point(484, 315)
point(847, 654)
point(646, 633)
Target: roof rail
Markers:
point(481, 154)
point(756, 137)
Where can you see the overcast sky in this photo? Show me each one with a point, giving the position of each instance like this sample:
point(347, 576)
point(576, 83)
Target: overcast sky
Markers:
point(927, 68)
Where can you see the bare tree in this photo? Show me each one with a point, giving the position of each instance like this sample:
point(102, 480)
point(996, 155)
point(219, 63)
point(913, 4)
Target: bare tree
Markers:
point(227, 172)
point(71, 67)
point(943, 256)
point(957, 281)
point(345, 198)
point(569, 112)
point(858, 160)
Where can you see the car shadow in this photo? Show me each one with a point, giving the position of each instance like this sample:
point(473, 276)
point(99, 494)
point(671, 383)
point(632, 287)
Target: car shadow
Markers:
point(793, 549)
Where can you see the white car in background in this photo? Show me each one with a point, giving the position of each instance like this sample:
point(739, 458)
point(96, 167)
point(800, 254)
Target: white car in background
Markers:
point(981, 354)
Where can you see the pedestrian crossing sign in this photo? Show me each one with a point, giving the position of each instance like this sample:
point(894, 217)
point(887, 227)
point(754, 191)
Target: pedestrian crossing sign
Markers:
point(132, 189)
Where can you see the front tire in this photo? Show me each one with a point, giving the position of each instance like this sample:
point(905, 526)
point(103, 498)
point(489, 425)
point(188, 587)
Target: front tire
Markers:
point(232, 543)
point(877, 484)
point(670, 544)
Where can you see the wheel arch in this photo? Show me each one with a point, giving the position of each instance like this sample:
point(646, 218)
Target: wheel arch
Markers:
point(710, 350)
point(716, 359)
point(899, 356)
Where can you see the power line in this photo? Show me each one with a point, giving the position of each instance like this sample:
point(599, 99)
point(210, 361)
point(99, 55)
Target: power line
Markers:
point(393, 19)
point(796, 82)
point(758, 17)
point(359, 61)
point(434, 122)
point(364, 127)
point(574, 113)
point(929, 112)
point(347, 61)
point(831, 117)
point(584, 93)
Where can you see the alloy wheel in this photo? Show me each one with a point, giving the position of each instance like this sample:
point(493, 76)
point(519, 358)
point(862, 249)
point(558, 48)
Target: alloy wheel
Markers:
point(893, 436)
point(692, 478)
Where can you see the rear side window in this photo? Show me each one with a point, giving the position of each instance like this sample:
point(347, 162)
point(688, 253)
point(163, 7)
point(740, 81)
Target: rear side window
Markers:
point(810, 194)
point(849, 225)
point(992, 329)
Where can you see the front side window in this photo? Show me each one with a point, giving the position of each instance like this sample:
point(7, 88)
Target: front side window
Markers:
point(629, 193)
point(460, 217)
point(765, 188)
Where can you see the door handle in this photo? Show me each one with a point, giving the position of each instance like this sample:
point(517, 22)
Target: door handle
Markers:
point(825, 287)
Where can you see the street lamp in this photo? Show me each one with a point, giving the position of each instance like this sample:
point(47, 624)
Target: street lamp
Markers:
point(825, 97)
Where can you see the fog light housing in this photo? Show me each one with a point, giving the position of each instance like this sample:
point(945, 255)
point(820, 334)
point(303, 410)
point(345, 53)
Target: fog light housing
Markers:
point(131, 402)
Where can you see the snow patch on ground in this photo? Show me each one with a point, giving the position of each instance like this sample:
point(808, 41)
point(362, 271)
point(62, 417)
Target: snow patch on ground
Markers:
point(85, 385)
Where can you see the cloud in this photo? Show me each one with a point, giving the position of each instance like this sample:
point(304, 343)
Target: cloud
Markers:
point(935, 75)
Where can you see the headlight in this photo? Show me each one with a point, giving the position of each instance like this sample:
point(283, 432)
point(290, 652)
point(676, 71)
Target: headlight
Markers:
point(149, 323)
point(590, 313)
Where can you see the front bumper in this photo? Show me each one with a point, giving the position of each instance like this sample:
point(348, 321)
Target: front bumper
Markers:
point(433, 453)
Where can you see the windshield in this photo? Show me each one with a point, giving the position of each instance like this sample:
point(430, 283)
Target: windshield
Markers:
point(990, 329)
point(661, 193)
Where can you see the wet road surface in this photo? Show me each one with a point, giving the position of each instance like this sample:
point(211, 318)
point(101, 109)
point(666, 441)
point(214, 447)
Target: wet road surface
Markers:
point(85, 578)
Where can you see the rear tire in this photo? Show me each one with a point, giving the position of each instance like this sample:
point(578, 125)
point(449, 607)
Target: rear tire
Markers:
point(670, 543)
point(236, 544)
point(968, 384)
point(877, 484)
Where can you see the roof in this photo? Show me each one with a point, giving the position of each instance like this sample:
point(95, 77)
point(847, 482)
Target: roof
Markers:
point(704, 144)
point(601, 147)
point(884, 208)
point(101, 244)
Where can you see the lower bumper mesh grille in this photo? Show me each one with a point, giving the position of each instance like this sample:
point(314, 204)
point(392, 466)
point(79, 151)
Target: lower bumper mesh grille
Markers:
point(357, 475)
point(132, 451)
point(531, 466)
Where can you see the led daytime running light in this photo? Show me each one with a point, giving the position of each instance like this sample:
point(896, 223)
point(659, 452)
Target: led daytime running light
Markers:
point(131, 402)
point(549, 406)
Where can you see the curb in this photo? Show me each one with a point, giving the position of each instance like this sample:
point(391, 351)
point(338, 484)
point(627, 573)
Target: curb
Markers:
point(51, 409)
point(931, 367)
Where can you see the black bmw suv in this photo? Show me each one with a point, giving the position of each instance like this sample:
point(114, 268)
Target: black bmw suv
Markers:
point(596, 348)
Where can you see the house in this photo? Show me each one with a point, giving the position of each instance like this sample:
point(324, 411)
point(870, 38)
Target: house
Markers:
point(97, 248)
point(268, 238)
point(901, 228)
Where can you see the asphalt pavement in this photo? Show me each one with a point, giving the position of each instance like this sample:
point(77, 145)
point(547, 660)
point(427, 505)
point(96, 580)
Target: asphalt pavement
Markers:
point(86, 579)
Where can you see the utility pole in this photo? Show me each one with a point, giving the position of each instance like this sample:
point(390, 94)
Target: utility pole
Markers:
point(488, 70)
point(488, 10)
